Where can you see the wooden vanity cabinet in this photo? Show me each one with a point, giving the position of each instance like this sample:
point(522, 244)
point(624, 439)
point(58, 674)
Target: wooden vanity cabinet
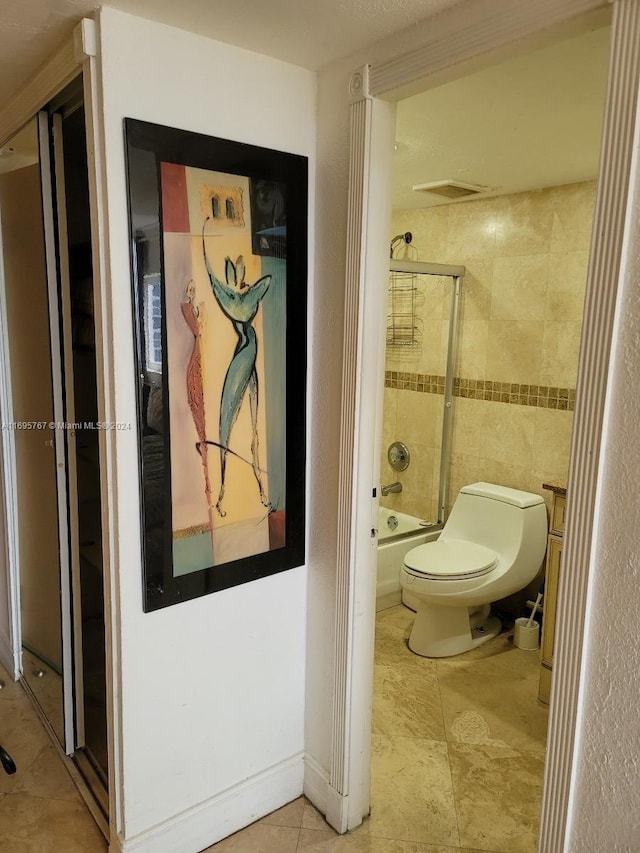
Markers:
point(552, 573)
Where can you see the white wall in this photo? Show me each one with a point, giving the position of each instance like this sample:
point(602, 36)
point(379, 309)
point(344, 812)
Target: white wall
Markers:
point(211, 691)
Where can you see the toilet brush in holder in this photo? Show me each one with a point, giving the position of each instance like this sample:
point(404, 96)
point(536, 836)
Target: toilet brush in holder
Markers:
point(526, 633)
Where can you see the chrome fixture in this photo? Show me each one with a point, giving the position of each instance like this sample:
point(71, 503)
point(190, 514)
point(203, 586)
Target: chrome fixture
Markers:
point(405, 238)
point(398, 456)
point(392, 488)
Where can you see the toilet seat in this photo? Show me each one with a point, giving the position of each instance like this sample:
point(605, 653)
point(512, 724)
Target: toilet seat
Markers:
point(450, 559)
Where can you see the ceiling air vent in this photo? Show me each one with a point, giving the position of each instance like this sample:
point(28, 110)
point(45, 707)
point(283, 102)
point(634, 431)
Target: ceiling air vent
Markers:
point(450, 189)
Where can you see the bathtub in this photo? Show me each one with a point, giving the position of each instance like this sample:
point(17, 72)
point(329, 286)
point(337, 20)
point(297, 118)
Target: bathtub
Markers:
point(394, 540)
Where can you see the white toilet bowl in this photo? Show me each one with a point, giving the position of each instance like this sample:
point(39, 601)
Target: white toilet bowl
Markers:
point(492, 545)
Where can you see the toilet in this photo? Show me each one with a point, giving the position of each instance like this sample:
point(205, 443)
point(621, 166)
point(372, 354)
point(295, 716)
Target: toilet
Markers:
point(491, 546)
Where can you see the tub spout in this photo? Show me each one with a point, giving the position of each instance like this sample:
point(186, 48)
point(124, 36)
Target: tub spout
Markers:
point(392, 488)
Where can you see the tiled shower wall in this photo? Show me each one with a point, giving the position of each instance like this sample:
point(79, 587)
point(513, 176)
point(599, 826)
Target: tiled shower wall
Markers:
point(526, 256)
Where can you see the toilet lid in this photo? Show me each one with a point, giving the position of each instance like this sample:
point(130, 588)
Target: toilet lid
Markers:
point(450, 558)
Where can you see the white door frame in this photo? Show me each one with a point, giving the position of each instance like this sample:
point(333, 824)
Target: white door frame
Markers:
point(453, 53)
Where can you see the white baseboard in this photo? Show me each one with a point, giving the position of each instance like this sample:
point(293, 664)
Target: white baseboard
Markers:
point(8, 659)
point(316, 784)
point(203, 825)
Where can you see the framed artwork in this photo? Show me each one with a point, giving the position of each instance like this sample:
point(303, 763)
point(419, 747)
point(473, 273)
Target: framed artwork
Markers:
point(219, 267)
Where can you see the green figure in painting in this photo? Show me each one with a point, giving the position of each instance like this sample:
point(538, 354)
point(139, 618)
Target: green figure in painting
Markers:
point(239, 302)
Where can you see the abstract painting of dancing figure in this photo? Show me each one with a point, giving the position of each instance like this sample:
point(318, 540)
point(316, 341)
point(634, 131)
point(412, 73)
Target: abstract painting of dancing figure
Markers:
point(223, 463)
point(239, 302)
point(226, 376)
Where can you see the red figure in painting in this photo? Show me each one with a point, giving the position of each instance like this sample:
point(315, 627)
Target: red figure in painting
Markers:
point(194, 317)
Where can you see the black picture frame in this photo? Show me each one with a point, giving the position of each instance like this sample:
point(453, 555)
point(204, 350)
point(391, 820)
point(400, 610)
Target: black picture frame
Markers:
point(166, 169)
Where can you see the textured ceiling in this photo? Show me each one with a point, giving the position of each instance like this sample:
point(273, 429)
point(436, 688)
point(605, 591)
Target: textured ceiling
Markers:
point(530, 122)
point(310, 33)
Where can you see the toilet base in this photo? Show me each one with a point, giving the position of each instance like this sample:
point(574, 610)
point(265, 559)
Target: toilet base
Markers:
point(440, 632)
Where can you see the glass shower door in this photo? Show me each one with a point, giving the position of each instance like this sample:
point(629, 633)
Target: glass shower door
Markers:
point(421, 344)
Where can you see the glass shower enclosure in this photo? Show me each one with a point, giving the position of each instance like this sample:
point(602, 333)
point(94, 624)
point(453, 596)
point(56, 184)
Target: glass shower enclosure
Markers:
point(421, 349)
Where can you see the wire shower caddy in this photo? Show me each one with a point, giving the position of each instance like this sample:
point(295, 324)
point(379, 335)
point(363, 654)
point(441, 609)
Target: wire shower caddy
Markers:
point(404, 327)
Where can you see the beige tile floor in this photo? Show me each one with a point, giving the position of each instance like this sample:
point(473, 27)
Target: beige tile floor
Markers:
point(457, 757)
point(457, 762)
point(41, 810)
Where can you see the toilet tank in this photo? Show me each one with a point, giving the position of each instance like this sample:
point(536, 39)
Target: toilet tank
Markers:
point(499, 518)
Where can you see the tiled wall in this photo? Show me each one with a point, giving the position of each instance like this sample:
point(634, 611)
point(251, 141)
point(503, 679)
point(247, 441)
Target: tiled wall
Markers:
point(526, 256)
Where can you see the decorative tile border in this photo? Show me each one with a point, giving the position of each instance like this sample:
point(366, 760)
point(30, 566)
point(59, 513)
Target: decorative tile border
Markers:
point(428, 383)
point(542, 396)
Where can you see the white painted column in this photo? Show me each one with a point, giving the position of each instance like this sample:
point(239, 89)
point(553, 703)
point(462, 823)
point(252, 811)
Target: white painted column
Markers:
point(367, 252)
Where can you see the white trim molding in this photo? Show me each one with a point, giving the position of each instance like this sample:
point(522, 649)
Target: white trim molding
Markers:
point(501, 27)
point(369, 211)
point(88, 34)
point(360, 117)
point(461, 44)
point(621, 117)
point(316, 784)
point(223, 814)
point(85, 43)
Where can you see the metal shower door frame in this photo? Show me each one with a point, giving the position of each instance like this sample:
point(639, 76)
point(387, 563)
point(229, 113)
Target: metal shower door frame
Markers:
point(456, 273)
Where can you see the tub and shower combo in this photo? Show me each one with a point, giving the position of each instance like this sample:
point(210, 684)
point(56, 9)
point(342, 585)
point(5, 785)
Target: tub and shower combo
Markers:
point(398, 533)
point(450, 570)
